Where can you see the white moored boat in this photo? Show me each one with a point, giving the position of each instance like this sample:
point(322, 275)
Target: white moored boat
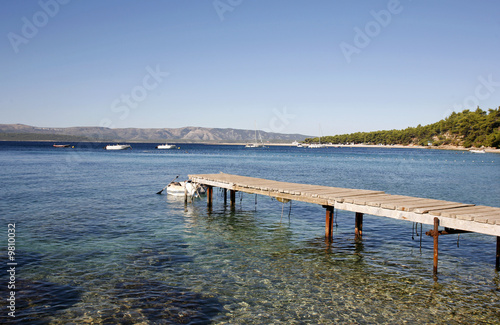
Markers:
point(165, 146)
point(316, 145)
point(117, 147)
point(319, 144)
point(185, 188)
point(256, 144)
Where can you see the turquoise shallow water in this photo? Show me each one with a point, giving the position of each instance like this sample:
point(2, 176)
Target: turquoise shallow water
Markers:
point(95, 244)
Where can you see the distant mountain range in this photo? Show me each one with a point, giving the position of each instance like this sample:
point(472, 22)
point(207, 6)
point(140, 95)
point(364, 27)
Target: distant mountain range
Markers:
point(184, 134)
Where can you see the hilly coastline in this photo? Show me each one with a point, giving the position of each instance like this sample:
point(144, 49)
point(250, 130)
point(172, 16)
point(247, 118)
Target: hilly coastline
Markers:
point(22, 132)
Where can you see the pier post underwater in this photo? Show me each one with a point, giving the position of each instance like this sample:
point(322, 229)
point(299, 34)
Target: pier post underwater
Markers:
point(497, 262)
point(358, 226)
point(454, 217)
point(232, 197)
point(210, 191)
point(435, 234)
point(329, 223)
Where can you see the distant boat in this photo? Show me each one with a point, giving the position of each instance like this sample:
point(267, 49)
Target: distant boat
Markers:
point(117, 147)
point(165, 146)
point(61, 145)
point(477, 151)
point(255, 144)
point(319, 144)
point(316, 145)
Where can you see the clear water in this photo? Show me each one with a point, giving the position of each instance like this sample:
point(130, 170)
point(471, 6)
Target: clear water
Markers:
point(96, 245)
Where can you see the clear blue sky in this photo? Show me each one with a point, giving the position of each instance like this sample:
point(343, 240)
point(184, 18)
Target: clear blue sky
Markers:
point(287, 66)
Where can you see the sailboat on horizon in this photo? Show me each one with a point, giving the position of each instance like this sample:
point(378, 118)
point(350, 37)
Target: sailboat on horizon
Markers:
point(256, 144)
point(319, 144)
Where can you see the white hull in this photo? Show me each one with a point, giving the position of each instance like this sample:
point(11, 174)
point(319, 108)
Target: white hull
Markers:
point(477, 151)
point(184, 188)
point(254, 145)
point(316, 146)
point(165, 146)
point(117, 147)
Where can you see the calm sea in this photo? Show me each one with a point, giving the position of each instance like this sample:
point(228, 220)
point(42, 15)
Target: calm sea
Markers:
point(95, 244)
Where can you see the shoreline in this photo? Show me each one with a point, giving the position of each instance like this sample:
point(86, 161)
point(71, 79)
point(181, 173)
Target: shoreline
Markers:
point(277, 144)
point(399, 146)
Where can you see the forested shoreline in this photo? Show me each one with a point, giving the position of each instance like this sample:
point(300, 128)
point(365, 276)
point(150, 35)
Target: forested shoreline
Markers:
point(467, 129)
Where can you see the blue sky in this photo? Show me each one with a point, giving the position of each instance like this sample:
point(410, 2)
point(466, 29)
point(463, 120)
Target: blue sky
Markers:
point(309, 67)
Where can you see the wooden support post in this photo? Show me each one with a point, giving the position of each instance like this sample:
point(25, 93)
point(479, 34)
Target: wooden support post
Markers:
point(225, 196)
point(232, 197)
point(497, 263)
point(210, 190)
point(435, 234)
point(358, 228)
point(329, 223)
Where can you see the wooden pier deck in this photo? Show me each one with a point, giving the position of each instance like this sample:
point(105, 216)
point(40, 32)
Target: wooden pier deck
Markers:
point(453, 216)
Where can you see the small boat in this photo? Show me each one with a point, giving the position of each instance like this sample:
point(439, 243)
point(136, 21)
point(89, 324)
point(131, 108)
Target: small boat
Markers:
point(316, 145)
point(319, 144)
point(185, 188)
point(165, 146)
point(61, 145)
point(256, 144)
point(477, 151)
point(117, 147)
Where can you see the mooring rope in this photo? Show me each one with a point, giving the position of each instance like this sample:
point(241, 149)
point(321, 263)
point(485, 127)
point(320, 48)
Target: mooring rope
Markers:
point(282, 208)
point(421, 237)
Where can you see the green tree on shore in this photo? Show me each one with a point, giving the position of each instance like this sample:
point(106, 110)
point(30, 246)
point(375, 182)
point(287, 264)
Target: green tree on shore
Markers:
point(468, 128)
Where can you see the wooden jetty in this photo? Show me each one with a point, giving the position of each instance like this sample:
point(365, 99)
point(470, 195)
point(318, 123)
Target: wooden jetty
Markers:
point(454, 217)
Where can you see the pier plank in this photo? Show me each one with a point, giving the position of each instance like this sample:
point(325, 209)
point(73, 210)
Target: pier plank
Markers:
point(349, 196)
point(401, 204)
point(391, 203)
point(441, 206)
point(365, 198)
point(464, 210)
